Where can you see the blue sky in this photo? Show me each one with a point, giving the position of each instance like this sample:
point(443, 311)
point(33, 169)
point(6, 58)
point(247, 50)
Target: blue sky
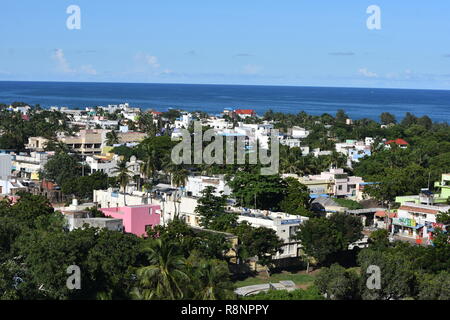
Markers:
point(312, 43)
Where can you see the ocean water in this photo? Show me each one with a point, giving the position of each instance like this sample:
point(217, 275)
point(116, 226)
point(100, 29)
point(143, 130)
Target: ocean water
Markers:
point(357, 102)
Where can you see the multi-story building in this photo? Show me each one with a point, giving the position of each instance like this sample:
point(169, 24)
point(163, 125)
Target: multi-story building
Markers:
point(36, 144)
point(285, 225)
point(86, 142)
point(78, 215)
point(196, 184)
point(335, 182)
point(417, 220)
point(107, 164)
point(29, 165)
point(89, 142)
point(218, 123)
point(136, 219)
point(184, 121)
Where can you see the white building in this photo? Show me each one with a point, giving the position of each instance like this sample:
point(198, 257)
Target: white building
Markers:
point(29, 165)
point(5, 166)
point(11, 186)
point(317, 152)
point(299, 133)
point(285, 225)
point(417, 220)
point(77, 215)
point(106, 165)
point(218, 123)
point(196, 184)
point(184, 121)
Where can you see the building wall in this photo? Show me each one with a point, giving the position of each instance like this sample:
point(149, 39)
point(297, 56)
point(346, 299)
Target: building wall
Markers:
point(135, 218)
point(5, 166)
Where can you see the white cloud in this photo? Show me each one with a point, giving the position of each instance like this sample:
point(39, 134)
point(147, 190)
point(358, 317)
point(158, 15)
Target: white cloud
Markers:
point(366, 73)
point(64, 66)
point(147, 60)
point(61, 61)
point(88, 69)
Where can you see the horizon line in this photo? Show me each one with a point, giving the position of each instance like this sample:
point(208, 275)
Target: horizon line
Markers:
point(221, 84)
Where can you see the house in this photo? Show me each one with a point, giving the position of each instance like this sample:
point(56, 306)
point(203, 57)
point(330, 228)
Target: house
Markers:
point(78, 215)
point(444, 186)
point(399, 142)
point(36, 144)
point(245, 113)
point(107, 164)
point(283, 224)
point(298, 133)
point(29, 165)
point(11, 187)
point(196, 184)
point(184, 121)
point(218, 123)
point(334, 182)
point(417, 221)
point(164, 196)
point(135, 219)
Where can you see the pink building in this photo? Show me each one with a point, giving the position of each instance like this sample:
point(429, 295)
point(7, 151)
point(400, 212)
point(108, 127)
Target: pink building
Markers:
point(135, 218)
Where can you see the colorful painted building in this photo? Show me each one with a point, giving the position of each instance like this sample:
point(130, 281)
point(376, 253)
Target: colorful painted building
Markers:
point(135, 219)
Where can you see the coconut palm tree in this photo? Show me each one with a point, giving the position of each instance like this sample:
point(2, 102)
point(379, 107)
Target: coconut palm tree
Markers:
point(112, 138)
point(123, 176)
point(214, 284)
point(163, 278)
point(179, 178)
point(149, 167)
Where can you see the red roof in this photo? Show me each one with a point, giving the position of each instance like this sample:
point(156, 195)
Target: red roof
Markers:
point(245, 111)
point(25, 117)
point(156, 113)
point(399, 142)
point(382, 214)
point(418, 209)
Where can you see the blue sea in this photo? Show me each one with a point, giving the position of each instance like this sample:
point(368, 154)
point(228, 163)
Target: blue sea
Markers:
point(357, 102)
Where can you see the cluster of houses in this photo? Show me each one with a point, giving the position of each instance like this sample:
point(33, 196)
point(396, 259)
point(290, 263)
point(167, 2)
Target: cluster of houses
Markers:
point(135, 210)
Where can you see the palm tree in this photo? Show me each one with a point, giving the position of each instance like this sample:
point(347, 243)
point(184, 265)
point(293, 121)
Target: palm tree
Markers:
point(112, 138)
point(149, 167)
point(163, 278)
point(179, 178)
point(123, 176)
point(214, 283)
